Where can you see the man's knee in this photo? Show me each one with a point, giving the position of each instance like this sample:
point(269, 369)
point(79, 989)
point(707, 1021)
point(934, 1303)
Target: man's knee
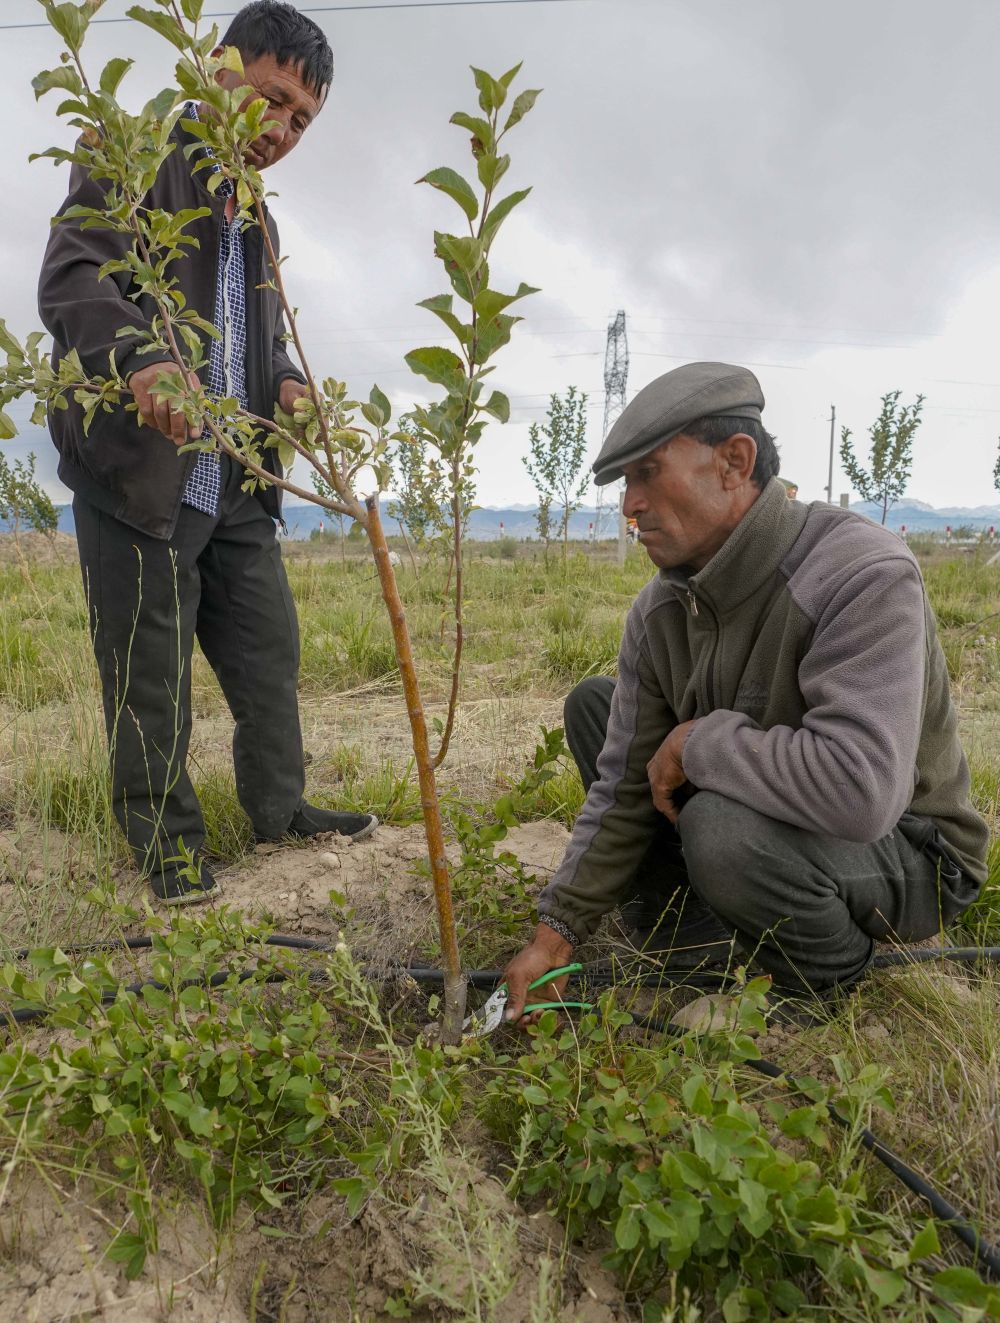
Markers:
point(588, 703)
point(721, 841)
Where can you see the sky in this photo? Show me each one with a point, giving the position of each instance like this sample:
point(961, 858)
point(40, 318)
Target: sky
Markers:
point(806, 189)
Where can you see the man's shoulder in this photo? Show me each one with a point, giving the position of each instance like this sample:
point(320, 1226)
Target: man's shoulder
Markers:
point(656, 593)
point(832, 531)
point(837, 545)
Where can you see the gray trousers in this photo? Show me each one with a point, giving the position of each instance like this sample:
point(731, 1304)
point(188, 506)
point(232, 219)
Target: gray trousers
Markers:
point(809, 908)
point(220, 580)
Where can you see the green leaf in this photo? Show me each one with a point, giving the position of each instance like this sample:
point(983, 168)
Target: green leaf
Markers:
point(925, 1243)
point(451, 182)
point(64, 77)
point(380, 402)
point(162, 23)
point(491, 169)
point(499, 406)
point(489, 302)
point(112, 74)
point(495, 218)
point(961, 1286)
point(493, 335)
point(627, 1228)
point(659, 1224)
point(511, 74)
point(355, 1190)
point(192, 10)
point(232, 60)
point(70, 22)
point(7, 429)
point(492, 94)
point(129, 1249)
point(438, 365)
point(522, 104)
point(465, 252)
point(886, 1286)
point(440, 305)
point(481, 130)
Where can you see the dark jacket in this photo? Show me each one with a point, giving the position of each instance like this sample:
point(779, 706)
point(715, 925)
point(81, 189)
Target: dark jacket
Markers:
point(128, 470)
point(807, 650)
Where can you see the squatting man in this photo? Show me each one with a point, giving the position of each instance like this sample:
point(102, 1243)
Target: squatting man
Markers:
point(171, 547)
point(779, 760)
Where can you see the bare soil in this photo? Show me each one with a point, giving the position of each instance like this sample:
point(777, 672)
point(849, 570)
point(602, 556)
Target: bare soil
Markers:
point(38, 548)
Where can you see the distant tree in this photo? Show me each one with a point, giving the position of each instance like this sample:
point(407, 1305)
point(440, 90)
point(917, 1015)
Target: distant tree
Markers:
point(557, 451)
point(22, 500)
point(543, 519)
point(996, 470)
point(421, 485)
point(891, 453)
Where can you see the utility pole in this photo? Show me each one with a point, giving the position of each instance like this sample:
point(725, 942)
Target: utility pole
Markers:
point(615, 382)
point(829, 480)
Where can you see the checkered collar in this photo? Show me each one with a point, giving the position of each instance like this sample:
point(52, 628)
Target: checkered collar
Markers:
point(226, 187)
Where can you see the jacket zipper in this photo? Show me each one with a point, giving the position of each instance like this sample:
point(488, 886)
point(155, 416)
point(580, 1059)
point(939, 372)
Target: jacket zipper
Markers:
point(710, 665)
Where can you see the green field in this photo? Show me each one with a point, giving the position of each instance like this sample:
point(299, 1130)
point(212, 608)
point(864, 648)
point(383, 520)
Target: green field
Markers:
point(293, 1150)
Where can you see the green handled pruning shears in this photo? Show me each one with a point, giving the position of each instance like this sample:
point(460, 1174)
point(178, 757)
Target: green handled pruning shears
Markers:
point(490, 1015)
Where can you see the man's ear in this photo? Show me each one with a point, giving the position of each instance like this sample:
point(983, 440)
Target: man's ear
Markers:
point(738, 455)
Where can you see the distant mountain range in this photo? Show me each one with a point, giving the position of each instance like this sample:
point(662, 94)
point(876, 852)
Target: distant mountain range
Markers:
point(488, 523)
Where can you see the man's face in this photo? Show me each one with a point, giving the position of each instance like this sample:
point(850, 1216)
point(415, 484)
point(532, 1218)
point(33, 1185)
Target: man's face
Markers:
point(685, 499)
point(292, 104)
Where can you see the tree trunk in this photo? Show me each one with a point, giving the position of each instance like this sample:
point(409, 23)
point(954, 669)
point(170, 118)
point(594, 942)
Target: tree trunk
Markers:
point(454, 979)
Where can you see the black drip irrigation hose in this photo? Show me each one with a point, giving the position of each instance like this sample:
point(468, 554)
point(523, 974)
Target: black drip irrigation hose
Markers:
point(986, 1255)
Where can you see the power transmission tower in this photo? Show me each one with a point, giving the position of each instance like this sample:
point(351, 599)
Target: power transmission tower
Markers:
point(615, 383)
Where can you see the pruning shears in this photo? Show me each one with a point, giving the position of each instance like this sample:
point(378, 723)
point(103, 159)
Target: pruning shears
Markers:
point(490, 1015)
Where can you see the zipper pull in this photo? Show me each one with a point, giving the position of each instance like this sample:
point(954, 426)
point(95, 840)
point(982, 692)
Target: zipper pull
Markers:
point(692, 601)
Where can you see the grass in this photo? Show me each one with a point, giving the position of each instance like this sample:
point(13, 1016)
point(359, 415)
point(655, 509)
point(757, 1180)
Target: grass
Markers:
point(531, 633)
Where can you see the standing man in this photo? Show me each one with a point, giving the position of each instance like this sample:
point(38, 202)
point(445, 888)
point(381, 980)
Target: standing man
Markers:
point(779, 758)
point(170, 546)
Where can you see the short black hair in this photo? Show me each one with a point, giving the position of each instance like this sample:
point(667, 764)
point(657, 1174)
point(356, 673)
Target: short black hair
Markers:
point(713, 431)
point(272, 27)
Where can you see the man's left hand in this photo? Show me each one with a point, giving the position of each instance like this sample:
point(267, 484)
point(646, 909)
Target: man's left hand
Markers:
point(666, 769)
point(289, 391)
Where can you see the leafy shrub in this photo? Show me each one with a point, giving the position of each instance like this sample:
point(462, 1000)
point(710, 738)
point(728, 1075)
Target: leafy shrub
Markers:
point(693, 1185)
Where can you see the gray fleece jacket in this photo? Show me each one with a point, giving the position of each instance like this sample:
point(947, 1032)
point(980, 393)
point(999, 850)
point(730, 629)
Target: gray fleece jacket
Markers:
point(808, 651)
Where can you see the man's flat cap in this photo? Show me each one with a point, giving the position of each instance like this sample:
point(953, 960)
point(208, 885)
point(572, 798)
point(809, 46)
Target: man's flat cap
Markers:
point(671, 402)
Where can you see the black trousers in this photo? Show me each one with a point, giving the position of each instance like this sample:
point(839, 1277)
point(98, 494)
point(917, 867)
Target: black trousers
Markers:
point(221, 580)
point(808, 907)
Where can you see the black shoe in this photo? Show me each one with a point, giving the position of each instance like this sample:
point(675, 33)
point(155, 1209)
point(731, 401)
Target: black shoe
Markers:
point(308, 820)
point(171, 888)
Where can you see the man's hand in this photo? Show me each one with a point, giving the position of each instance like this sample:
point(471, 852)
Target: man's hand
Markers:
point(666, 770)
point(546, 950)
point(289, 391)
point(159, 413)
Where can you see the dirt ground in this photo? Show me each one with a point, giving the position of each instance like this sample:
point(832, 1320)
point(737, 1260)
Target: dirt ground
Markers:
point(38, 548)
point(385, 911)
point(315, 1265)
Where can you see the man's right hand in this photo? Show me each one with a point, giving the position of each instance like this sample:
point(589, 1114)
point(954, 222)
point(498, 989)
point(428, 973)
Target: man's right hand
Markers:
point(546, 950)
point(157, 412)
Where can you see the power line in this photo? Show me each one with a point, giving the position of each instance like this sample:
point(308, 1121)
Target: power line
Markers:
point(333, 9)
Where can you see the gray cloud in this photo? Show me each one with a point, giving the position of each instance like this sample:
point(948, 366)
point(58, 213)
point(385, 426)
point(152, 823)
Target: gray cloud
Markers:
point(749, 180)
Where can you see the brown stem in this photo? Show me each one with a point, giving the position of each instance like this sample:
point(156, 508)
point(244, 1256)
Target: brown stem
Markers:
point(456, 664)
point(454, 979)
